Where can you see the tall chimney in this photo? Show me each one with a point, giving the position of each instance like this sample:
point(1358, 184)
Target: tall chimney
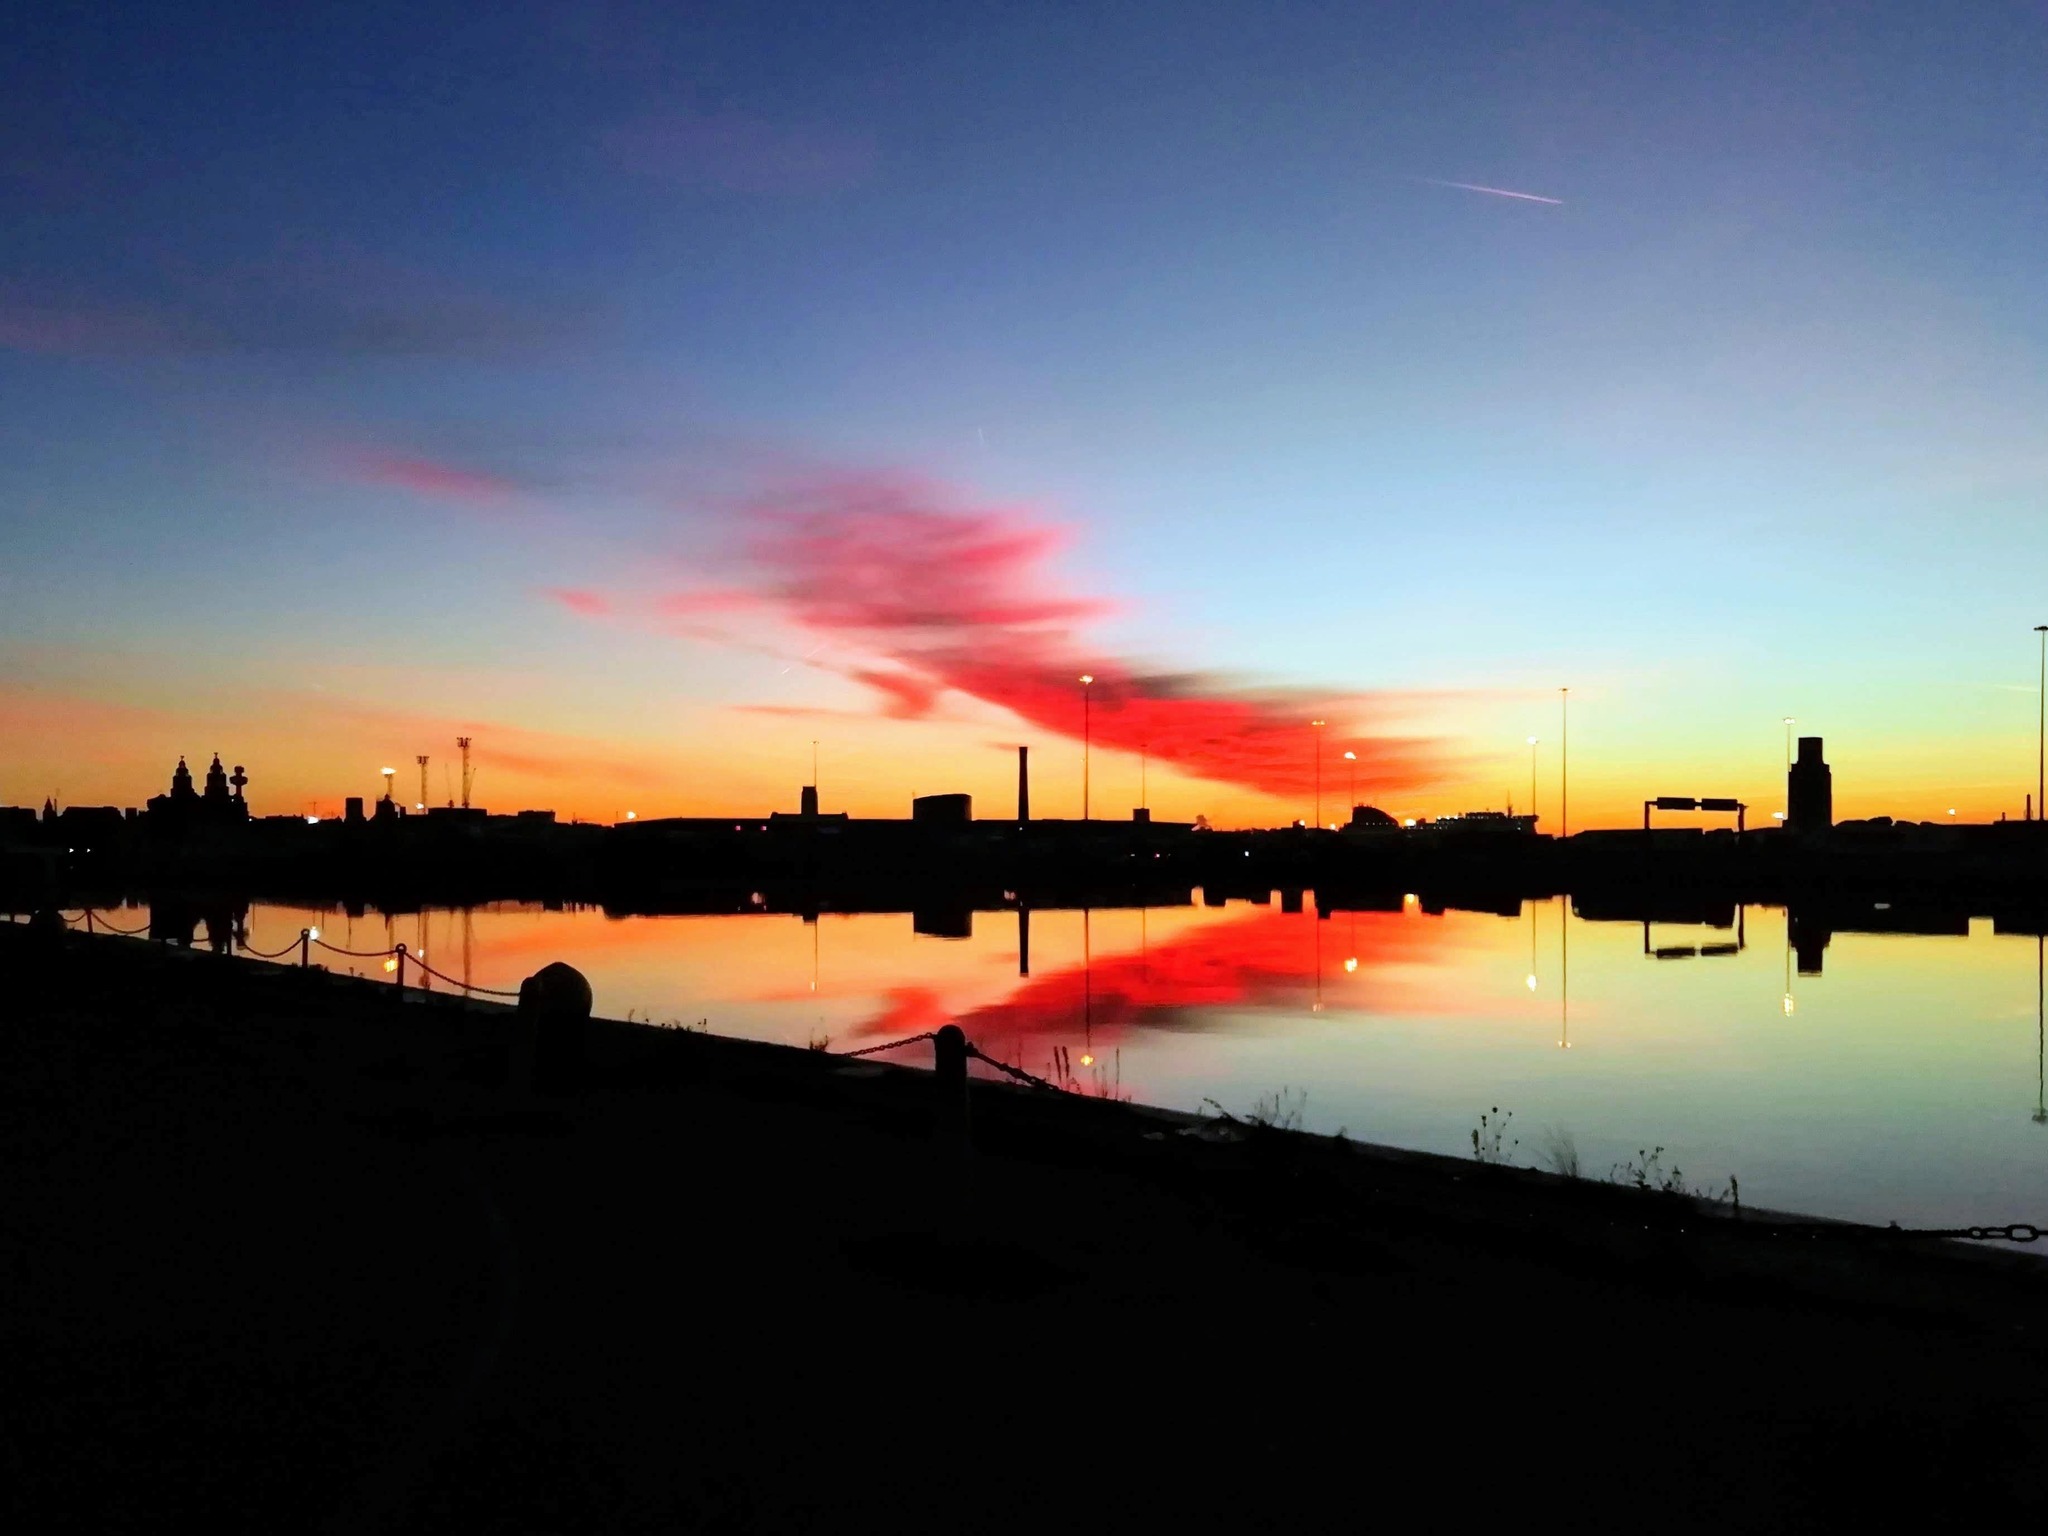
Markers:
point(1023, 784)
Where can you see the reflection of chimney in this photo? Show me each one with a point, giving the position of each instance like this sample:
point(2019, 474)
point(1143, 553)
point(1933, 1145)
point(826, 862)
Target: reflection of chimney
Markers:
point(810, 800)
point(1023, 783)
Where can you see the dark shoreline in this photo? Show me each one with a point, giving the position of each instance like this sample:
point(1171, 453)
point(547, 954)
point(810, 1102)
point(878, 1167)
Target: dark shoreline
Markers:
point(266, 1220)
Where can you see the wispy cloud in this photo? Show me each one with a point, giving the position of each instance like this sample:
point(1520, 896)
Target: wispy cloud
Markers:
point(435, 479)
point(1473, 186)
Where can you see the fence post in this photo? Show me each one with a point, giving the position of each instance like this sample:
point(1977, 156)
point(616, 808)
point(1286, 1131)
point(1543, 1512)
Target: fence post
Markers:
point(305, 947)
point(399, 952)
point(949, 1061)
point(88, 920)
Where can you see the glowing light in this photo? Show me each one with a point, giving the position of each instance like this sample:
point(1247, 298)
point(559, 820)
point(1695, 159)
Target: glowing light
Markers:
point(313, 933)
point(312, 821)
point(391, 965)
point(1529, 982)
point(1951, 810)
point(1532, 741)
point(1410, 900)
point(1351, 964)
point(1350, 757)
point(1087, 1061)
point(1777, 815)
point(1086, 679)
point(1408, 821)
point(419, 805)
point(632, 815)
point(1788, 1005)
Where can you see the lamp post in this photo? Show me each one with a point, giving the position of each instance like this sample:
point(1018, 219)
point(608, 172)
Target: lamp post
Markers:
point(389, 774)
point(1318, 725)
point(1788, 741)
point(1564, 763)
point(1532, 778)
point(1351, 784)
point(1087, 682)
point(2041, 728)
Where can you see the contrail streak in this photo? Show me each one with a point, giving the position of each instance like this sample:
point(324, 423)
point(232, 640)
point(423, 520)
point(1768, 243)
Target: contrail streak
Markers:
point(1473, 186)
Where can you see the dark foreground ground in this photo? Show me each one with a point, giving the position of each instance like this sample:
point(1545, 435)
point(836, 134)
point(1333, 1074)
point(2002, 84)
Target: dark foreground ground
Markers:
point(271, 1263)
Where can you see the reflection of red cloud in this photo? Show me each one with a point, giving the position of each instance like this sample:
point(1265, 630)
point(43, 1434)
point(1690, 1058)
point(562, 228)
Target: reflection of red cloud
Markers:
point(1265, 958)
point(958, 598)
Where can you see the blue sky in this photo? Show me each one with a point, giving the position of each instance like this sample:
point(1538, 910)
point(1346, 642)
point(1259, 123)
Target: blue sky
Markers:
point(1747, 424)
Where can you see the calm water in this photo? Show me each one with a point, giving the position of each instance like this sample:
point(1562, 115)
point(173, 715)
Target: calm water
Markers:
point(1904, 1082)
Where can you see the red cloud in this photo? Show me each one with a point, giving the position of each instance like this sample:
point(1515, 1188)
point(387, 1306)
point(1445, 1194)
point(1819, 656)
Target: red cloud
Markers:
point(959, 598)
point(581, 600)
point(432, 478)
point(943, 597)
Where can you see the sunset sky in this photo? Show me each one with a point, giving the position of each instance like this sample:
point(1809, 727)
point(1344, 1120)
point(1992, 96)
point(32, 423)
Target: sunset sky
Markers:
point(649, 391)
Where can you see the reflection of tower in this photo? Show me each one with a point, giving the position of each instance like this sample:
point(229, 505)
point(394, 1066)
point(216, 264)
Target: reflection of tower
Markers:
point(468, 933)
point(1023, 939)
point(420, 951)
point(1534, 909)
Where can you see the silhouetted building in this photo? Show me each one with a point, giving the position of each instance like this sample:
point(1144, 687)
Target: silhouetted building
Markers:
point(185, 809)
point(1370, 818)
point(1809, 790)
point(942, 808)
point(807, 803)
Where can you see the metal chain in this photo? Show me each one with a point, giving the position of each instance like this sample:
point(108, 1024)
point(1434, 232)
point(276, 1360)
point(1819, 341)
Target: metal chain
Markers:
point(870, 1050)
point(1004, 1067)
point(126, 933)
point(356, 954)
point(257, 954)
point(466, 986)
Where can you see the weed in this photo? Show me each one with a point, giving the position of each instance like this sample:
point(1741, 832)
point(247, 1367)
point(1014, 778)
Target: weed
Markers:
point(820, 1040)
point(1560, 1153)
point(1282, 1111)
point(1645, 1171)
point(1490, 1143)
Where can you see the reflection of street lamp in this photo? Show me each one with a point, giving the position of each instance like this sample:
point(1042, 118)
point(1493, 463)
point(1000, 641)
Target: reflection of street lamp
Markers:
point(1318, 724)
point(1532, 778)
point(1087, 682)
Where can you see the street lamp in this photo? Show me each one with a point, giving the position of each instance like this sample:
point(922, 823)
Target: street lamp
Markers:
point(1087, 682)
point(1788, 741)
point(2041, 728)
point(1318, 724)
point(1564, 763)
point(388, 774)
point(1351, 786)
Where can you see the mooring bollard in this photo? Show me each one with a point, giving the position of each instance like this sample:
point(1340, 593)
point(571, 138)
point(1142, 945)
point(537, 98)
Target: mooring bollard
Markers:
point(554, 1007)
point(949, 1062)
point(398, 975)
point(305, 948)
